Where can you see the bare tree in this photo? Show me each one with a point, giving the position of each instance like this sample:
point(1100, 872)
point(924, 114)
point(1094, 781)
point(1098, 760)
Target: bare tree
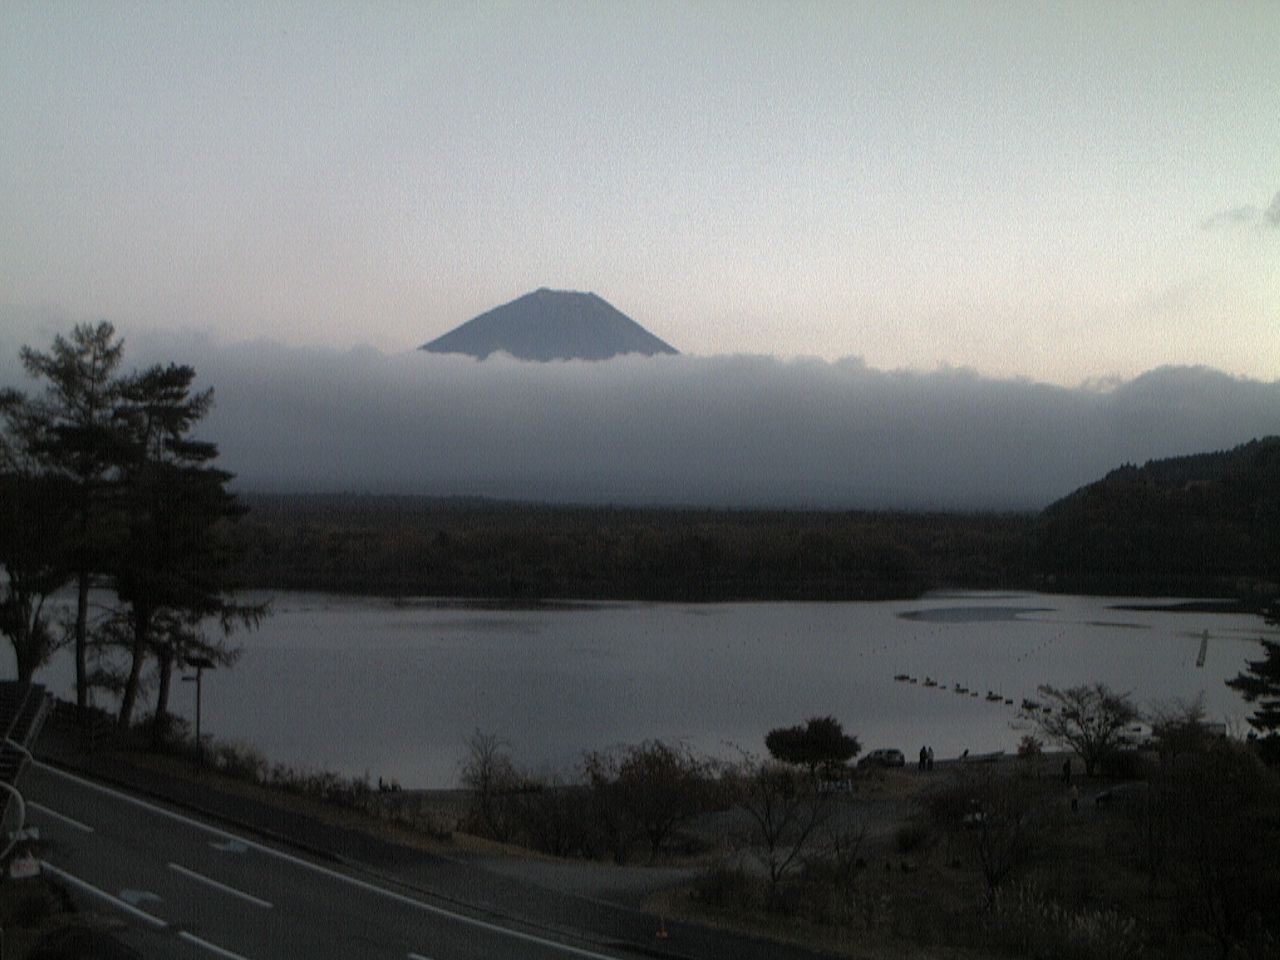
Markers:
point(998, 817)
point(1089, 719)
point(646, 790)
point(787, 810)
point(1178, 727)
point(665, 786)
point(492, 779)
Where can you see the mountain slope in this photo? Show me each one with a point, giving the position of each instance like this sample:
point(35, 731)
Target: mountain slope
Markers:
point(1202, 524)
point(551, 325)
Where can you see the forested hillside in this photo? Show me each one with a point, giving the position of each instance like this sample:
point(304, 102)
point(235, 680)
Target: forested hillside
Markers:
point(402, 546)
point(1200, 525)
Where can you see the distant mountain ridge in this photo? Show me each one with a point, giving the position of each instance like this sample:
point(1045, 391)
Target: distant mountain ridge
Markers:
point(1206, 524)
point(551, 325)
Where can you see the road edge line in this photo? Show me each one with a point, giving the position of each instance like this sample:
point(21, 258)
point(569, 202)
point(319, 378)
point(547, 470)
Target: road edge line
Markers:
point(115, 901)
point(218, 885)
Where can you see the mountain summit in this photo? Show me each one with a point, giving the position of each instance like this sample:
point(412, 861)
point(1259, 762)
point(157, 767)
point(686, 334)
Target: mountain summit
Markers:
point(551, 325)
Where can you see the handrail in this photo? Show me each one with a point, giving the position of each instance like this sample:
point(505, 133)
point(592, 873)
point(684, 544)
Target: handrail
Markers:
point(15, 835)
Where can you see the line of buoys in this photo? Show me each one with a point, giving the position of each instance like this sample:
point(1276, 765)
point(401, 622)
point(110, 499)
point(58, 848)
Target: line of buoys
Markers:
point(992, 696)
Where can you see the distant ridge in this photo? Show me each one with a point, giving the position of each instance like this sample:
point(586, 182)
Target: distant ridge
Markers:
point(551, 325)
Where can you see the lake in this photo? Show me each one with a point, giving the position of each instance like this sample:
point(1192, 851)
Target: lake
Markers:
point(394, 688)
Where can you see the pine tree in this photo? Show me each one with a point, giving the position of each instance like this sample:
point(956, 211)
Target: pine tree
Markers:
point(1260, 684)
point(35, 517)
point(171, 570)
point(820, 742)
point(79, 440)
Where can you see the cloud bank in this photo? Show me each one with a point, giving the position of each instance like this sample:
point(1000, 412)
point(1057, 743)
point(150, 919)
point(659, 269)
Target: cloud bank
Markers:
point(732, 431)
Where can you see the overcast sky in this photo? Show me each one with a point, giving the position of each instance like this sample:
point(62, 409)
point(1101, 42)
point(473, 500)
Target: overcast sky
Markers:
point(1062, 192)
point(961, 255)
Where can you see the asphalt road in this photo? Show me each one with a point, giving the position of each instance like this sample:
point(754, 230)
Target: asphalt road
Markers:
point(188, 889)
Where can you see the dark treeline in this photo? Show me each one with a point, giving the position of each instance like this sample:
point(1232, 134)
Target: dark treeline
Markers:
point(420, 546)
point(1206, 525)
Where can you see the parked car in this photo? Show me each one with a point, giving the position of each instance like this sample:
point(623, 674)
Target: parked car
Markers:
point(887, 757)
point(1131, 794)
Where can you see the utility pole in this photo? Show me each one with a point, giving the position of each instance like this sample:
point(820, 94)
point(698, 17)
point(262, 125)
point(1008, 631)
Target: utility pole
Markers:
point(201, 664)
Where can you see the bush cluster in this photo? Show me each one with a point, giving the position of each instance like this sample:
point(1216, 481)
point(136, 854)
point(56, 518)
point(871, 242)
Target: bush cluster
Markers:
point(635, 798)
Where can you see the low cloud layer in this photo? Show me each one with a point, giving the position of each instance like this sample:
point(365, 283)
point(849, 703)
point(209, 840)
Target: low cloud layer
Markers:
point(1246, 216)
point(731, 431)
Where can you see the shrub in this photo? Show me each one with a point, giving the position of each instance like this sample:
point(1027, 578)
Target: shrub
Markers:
point(1125, 765)
point(32, 909)
point(1031, 747)
point(728, 887)
point(647, 791)
point(552, 817)
point(170, 735)
point(1220, 815)
point(238, 759)
point(911, 837)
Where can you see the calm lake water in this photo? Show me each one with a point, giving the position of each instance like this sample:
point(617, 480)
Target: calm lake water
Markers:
point(393, 689)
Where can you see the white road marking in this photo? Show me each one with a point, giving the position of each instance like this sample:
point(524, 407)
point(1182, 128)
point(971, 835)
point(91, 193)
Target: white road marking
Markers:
point(102, 894)
point(333, 874)
point(32, 805)
point(211, 947)
point(418, 956)
point(201, 878)
point(228, 846)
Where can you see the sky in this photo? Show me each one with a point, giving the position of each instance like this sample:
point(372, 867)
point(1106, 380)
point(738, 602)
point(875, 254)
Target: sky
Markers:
point(1057, 191)
point(1030, 213)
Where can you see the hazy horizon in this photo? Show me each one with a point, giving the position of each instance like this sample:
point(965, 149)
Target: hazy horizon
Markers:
point(730, 431)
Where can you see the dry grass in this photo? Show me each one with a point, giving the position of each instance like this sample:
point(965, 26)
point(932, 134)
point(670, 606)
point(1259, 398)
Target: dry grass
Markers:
point(1069, 900)
point(425, 820)
point(881, 932)
point(410, 818)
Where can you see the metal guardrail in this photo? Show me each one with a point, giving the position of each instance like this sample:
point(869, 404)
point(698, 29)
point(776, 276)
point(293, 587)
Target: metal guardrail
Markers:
point(23, 710)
